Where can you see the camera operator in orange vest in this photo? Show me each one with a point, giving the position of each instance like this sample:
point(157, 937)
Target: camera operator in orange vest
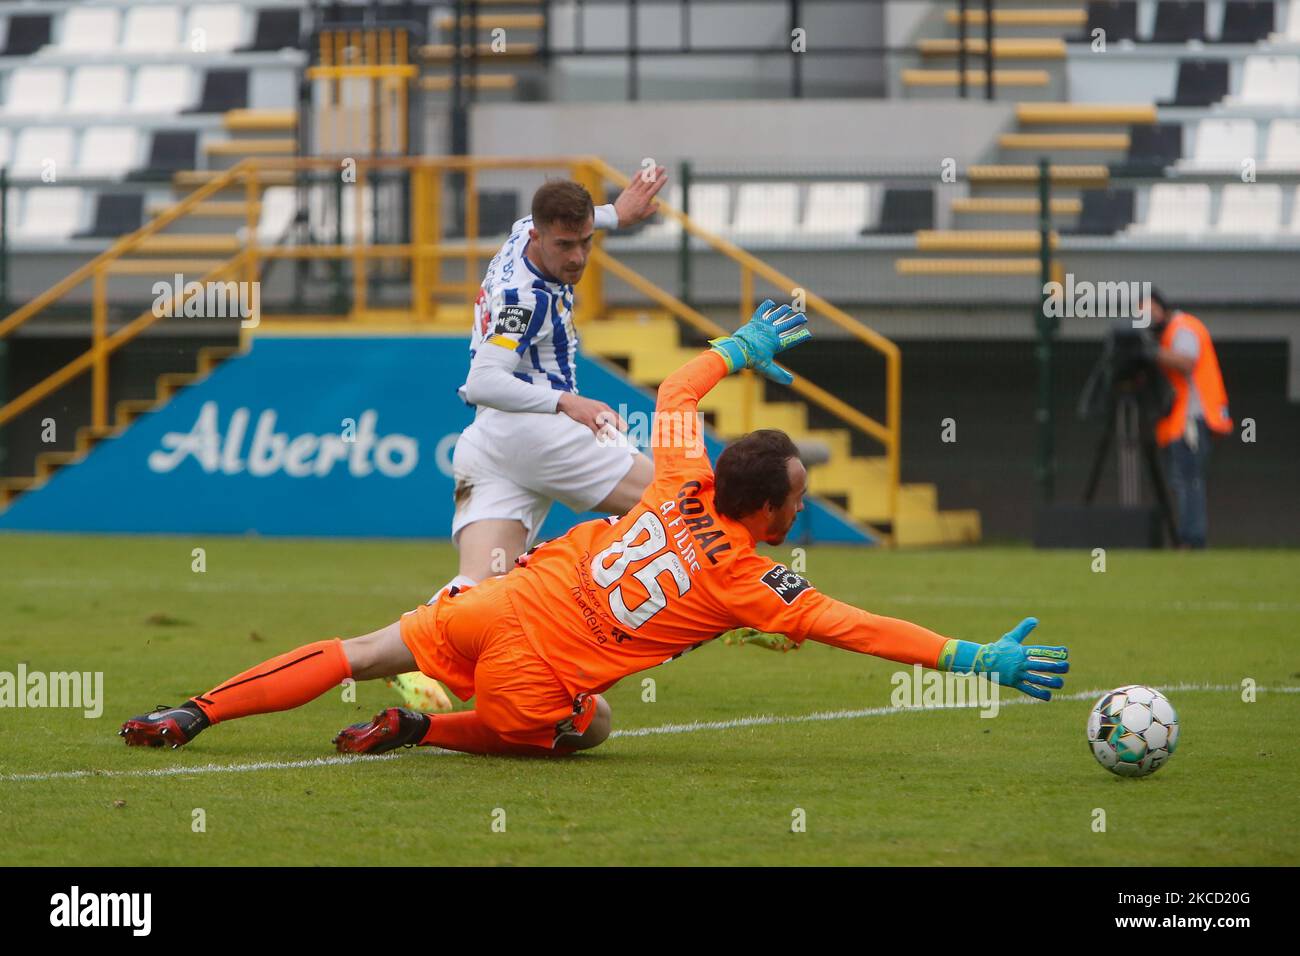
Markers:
point(1200, 409)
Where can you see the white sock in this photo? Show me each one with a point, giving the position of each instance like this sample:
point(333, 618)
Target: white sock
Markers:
point(459, 581)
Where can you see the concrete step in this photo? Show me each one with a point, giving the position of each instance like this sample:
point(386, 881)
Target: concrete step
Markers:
point(11, 488)
point(129, 409)
point(169, 383)
point(623, 336)
point(88, 436)
point(48, 462)
point(937, 529)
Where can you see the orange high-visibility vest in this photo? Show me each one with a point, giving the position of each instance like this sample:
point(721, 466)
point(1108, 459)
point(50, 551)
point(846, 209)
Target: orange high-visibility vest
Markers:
point(1208, 379)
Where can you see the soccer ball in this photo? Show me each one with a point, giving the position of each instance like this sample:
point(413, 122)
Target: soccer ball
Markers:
point(1132, 730)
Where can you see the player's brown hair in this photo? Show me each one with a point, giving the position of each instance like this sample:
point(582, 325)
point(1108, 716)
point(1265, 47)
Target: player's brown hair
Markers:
point(752, 472)
point(562, 201)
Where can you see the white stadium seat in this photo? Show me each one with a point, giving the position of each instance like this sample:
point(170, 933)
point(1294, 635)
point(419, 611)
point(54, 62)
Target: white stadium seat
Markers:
point(1225, 142)
point(766, 209)
point(278, 207)
point(1293, 22)
point(1250, 209)
point(711, 206)
point(1295, 212)
point(1272, 80)
point(90, 30)
point(163, 89)
point(836, 209)
point(152, 29)
point(98, 90)
point(50, 213)
point(1283, 147)
point(6, 145)
point(1177, 209)
point(43, 147)
point(109, 151)
point(222, 26)
point(35, 89)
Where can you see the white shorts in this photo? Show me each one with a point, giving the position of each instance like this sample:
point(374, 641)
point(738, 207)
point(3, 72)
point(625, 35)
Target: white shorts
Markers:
point(512, 465)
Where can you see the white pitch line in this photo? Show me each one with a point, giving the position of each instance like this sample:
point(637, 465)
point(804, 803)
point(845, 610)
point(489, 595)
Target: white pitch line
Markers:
point(762, 720)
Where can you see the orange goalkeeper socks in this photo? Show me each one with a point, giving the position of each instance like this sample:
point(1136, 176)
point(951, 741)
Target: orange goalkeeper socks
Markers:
point(281, 683)
point(466, 732)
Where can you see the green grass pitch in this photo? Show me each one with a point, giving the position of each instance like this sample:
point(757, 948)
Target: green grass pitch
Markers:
point(905, 787)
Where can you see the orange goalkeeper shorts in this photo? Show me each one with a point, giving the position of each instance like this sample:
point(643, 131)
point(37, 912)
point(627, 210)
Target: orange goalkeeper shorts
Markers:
point(474, 643)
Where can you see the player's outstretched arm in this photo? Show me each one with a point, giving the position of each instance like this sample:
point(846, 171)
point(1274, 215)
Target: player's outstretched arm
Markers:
point(778, 600)
point(676, 436)
point(1030, 669)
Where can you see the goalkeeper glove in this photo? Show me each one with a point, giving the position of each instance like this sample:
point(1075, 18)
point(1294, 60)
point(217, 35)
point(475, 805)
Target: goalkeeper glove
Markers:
point(770, 331)
point(1009, 663)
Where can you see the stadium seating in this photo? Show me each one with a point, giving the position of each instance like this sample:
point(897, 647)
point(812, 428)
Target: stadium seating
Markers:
point(1270, 81)
point(1176, 209)
point(97, 91)
point(1224, 143)
point(116, 214)
point(163, 89)
point(151, 29)
point(1117, 19)
point(1282, 149)
point(39, 147)
point(1158, 144)
point(35, 90)
point(1200, 82)
point(766, 210)
point(1178, 21)
point(1247, 21)
point(51, 213)
point(217, 27)
point(1105, 212)
point(109, 151)
point(1250, 209)
point(90, 30)
point(27, 34)
point(836, 209)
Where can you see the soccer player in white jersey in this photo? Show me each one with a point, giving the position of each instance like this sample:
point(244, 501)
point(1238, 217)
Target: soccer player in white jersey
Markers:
point(534, 440)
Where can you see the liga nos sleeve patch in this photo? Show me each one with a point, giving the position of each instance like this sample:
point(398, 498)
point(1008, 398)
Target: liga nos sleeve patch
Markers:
point(785, 583)
point(512, 320)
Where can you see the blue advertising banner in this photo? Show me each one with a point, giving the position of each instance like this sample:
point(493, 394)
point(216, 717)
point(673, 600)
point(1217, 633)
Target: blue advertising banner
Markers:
point(302, 436)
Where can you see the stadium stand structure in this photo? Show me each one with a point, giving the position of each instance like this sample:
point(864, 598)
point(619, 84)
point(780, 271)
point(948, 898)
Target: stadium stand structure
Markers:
point(1144, 143)
point(201, 102)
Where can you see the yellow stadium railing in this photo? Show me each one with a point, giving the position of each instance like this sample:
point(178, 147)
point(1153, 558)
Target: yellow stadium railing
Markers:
point(426, 254)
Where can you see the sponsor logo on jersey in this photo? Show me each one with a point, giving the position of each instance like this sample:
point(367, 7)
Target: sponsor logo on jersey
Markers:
point(785, 583)
point(512, 320)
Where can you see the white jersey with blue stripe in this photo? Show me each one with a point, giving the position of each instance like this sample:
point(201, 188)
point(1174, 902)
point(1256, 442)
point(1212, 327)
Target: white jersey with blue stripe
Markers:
point(521, 308)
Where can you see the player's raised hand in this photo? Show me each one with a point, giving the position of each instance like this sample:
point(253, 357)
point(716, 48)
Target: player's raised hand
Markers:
point(1028, 669)
point(772, 329)
point(597, 416)
point(637, 201)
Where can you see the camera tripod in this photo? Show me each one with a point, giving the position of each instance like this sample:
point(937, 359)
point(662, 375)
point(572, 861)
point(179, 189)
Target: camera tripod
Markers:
point(1132, 426)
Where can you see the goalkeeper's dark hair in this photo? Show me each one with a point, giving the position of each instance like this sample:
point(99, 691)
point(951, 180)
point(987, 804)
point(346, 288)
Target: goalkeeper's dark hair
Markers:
point(562, 201)
point(752, 472)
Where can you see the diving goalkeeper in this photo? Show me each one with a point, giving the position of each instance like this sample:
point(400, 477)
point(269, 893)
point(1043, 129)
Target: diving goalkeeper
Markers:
point(537, 647)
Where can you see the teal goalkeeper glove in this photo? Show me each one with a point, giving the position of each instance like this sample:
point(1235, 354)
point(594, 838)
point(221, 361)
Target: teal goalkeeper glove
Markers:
point(770, 331)
point(1010, 664)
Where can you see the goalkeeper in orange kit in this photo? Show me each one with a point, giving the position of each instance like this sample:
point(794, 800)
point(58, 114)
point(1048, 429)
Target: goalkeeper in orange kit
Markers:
point(537, 647)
